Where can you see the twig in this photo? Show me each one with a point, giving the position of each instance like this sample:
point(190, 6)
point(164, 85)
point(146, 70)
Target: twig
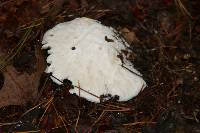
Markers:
point(7, 124)
point(182, 8)
point(32, 108)
point(61, 118)
point(15, 50)
point(43, 87)
point(99, 118)
point(77, 120)
point(76, 87)
point(139, 123)
point(48, 105)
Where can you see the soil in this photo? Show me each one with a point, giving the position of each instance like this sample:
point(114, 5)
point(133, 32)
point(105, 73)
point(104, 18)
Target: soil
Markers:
point(164, 37)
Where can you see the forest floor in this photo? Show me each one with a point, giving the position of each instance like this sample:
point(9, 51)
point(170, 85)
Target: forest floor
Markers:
point(164, 36)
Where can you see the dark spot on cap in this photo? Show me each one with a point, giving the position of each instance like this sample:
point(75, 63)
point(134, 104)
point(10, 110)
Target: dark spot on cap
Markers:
point(73, 48)
point(108, 40)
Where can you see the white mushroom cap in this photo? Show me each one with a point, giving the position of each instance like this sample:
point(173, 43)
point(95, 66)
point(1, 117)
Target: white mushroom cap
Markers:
point(85, 52)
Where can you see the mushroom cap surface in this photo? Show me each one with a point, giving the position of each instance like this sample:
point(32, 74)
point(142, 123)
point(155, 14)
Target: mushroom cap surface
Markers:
point(87, 53)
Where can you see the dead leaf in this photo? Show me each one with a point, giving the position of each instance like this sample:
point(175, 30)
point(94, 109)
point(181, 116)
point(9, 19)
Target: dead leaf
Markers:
point(51, 8)
point(19, 88)
point(3, 17)
point(167, 2)
point(197, 28)
point(166, 22)
point(73, 4)
point(84, 3)
point(19, 2)
point(138, 12)
point(129, 36)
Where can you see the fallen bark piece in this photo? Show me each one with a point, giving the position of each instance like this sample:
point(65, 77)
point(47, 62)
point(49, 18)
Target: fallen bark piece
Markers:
point(89, 54)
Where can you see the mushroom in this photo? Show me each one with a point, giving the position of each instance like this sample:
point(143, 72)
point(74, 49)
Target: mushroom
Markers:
point(89, 55)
